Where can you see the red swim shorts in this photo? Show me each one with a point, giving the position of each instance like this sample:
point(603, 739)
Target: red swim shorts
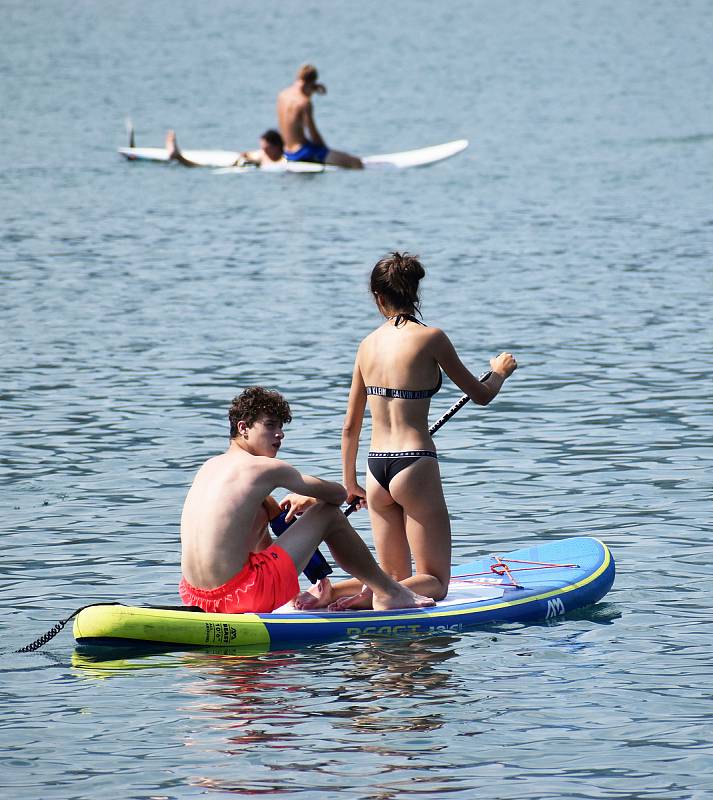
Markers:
point(267, 581)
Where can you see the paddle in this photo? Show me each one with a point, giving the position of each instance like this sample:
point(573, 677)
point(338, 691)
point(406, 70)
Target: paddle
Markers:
point(439, 423)
point(130, 131)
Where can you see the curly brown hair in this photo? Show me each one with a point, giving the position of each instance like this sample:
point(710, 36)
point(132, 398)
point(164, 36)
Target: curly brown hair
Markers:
point(255, 402)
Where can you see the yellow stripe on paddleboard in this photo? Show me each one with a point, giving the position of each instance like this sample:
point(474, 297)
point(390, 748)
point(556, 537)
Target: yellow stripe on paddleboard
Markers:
point(149, 624)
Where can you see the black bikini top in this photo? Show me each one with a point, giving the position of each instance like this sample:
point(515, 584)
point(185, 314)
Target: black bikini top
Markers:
point(406, 394)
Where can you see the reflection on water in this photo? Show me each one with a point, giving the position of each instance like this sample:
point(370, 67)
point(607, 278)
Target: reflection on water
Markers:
point(364, 694)
point(103, 663)
point(369, 694)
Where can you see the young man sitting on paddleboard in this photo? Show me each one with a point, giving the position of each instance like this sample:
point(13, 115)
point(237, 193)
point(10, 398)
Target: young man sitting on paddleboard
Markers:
point(228, 561)
point(270, 152)
point(295, 116)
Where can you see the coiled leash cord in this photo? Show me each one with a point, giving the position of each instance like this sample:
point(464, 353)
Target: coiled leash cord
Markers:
point(52, 632)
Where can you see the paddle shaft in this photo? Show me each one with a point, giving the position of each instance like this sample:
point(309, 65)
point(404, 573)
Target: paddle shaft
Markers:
point(439, 423)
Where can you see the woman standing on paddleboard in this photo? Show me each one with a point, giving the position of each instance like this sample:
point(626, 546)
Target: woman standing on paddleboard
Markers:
point(397, 370)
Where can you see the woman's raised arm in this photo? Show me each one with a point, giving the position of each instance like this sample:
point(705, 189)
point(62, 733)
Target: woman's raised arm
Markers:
point(482, 393)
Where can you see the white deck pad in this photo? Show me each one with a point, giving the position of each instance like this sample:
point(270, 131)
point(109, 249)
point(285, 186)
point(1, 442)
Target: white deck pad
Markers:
point(460, 591)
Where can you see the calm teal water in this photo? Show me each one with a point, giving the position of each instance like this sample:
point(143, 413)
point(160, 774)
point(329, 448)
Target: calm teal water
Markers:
point(135, 300)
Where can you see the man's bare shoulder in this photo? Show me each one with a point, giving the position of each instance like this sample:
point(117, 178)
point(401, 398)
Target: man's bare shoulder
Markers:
point(213, 464)
point(244, 472)
point(237, 461)
point(276, 467)
point(293, 97)
point(261, 467)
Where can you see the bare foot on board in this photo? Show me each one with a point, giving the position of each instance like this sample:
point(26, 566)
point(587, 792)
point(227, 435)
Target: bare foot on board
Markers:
point(362, 600)
point(317, 596)
point(401, 598)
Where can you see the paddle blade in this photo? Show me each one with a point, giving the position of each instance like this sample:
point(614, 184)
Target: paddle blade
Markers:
point(130, 130)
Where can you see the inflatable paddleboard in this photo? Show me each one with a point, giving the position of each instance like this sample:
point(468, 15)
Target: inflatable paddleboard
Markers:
point(533, 584)
point(224, 160)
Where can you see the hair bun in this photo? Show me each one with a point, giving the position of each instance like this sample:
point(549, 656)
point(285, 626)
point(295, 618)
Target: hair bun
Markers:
point(395, 279)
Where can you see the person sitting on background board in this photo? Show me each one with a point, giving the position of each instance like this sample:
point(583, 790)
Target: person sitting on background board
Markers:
point(228, 561)
point(270, 152)
point(303, 142)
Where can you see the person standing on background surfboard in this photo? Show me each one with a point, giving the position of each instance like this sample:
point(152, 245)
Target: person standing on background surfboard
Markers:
point(270, 152)
point(295, 117)
point(228, 561)
point(404, 493)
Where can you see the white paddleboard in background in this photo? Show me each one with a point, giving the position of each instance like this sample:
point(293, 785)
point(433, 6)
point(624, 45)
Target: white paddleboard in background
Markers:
point(203, 158)
point(275, 166)
point(224, 160)
point(416, 158)
point(408, 158)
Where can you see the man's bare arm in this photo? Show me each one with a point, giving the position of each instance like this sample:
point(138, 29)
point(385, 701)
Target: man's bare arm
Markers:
point(314, 135)
point(291, 479)
point(250, 158)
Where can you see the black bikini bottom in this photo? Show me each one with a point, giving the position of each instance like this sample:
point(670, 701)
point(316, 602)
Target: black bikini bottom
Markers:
point(384, 465)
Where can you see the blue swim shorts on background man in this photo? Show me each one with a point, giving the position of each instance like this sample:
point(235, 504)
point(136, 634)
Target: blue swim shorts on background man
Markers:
point(316, 153)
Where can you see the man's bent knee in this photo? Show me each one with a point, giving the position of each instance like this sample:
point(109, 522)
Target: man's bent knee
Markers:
point(323, 514)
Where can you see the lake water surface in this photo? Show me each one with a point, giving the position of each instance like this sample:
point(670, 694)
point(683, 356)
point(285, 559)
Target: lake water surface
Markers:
point(136, 300)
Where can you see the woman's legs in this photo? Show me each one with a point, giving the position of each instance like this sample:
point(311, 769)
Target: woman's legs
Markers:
point(392, 550)
point(409, 519)
point(418, 493)
point(388, 530)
